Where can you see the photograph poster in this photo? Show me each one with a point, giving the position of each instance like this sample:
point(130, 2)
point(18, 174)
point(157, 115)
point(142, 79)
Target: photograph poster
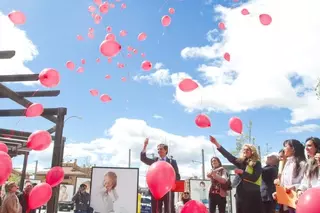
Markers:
point(199, 190)
point(79, 181)
point(114, 190)
point(66, 193)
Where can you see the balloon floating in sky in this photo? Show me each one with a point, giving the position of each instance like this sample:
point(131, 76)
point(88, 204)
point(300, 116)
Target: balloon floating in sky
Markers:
point(110, 37)
point(120, 65)
point(107, 77)
point(79, 37)
point(166, 21)
point(105, 98)
point(109, 29)
point(83, 61)
point(124, 79)
point(123, 6)
point(265, 19)
point(94, 92)
point(98, 60)
point(244, 12)
point(171, 10)
point(39, 140)
point(80, 70)
point(97, 2)
point(49, 77)
point(3, 147)
point(123, 33)
point(91, 9)
point(91, 35)
point(110, 48)
point(188, 85)
point(34, 110)
point(222, 26)
point(17, 17)
point(104, 7)
point(55, 176)
point(203, 121)
point(70, 65)
point(146, 65)
point(97, 19)
point(226, 56)
point(142, 36)
point(235, 125)
point(6, 167)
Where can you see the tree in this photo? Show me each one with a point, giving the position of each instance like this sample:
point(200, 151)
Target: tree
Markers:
point(14, 178)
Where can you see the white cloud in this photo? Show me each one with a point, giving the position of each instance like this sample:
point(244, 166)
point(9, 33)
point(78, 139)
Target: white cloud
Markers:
point(264, 60)
point(302, 128)
point(158, 65)
point(114, 148)
point(232, 133)
point(155, 116)
point(13, 38)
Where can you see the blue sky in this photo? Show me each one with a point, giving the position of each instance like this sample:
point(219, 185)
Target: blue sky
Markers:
point(53, 25)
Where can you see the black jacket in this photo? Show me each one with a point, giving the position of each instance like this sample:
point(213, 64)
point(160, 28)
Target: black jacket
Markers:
point(23, 203)
point(269, 174)
point(149, 161)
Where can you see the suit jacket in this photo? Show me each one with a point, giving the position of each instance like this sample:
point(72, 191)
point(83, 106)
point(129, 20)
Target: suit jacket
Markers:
point(269, 174)
point(24, 203)
point(149, 161)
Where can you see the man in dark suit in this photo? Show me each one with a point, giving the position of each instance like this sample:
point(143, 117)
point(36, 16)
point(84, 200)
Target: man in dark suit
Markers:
point(162, 151)
point(24, 197)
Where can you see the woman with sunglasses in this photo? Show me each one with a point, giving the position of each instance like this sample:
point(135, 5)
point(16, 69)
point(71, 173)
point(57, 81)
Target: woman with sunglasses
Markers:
point(185, 197)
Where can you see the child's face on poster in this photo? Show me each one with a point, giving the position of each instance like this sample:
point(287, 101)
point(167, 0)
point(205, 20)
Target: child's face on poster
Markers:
point(108, 182)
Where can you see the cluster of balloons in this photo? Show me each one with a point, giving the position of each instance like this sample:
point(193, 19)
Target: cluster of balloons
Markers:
point(103, 97)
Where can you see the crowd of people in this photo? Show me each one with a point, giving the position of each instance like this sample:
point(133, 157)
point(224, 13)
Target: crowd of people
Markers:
point(295, 168)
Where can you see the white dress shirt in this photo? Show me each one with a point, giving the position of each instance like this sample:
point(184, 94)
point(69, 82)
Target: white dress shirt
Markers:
point(287, 177)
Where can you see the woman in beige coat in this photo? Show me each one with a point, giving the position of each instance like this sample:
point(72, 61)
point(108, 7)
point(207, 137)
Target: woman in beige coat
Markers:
point(10, 202)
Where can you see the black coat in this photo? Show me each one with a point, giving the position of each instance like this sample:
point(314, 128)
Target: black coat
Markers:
point(269, 174)
point(24, 204)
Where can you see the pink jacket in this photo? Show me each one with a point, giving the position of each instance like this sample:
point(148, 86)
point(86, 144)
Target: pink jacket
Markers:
point(221, 177)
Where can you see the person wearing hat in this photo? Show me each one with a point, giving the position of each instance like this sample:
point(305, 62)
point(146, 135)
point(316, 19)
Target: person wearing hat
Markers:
point(162, 151)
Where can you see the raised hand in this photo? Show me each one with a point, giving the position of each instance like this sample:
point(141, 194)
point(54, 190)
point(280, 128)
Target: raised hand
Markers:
point(214, 141)
point(146, 142)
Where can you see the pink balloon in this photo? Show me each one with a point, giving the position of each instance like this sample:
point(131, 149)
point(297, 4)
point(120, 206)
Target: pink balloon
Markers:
point(143, 54)
point(49, 77)
point(98, 60)
point(39, 140)
point(109, 60)
point(235, 125)
point(91, 35)
point(94, 92)
point(203, 121)
point(104, 7)
point(130, 48)
point(83, 61)
point(166, 20)
point(123, 33)
point(123, 79)
point(3, 147)
point(142, 36)
point(146, 65)
point(110, 48)
point(172, 10)
point(135, 51)
point(309, 202)
point(17, 17)
point(43, 189)
point(108, 77)
point(70, 65)
point(105, 98)
point(194, 206)
point(112, 5)
point(91, 9)
point(34, 110)
point(161, 178)
point(91, 30)
point(265, 19)
point(244, 12)
point(222, 26)
point(120, 65)
point(226, 56)
point(80, 70)
point(123, 6)
point(129, 55)
point(55, 176)
point(110, 37)
point(109, 29)
point(97, 2)
point(79, 37)
point(188, 85)
point(6, 167)
point(97, 19)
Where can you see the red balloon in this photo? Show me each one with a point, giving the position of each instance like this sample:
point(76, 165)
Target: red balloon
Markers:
point(110, 37)
point(226, 56)
point(34, 110)
point(39, 195)
point(166, 21)
point(109, 29)
point(49, 77)
point(3, 147)
point(79, 37)
point(123, 6)
point(55, 176)
point(110, 48)
point(94, 92)
point(70, 65)
point(105, 98)
point(97, 2)
point(265, 19)
point(222, 26)
point(244, 12)
point(188, 85)
point(104, 7)
point(309, 202)
point(194, 206)
point(161, 177)
point(83, 61)
point(6, 167)
point(17, 17)
point(123, 33)
point(91, 9)
point(203, 121)
point(235, 124)
point(97, 19)
point(146, 65)
point(80, 70)
point(142, 36)
point(171, 10)
point(39, 140)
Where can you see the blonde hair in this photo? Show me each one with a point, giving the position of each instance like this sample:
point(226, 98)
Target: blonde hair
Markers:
point(9, 186)
point(254, 157)
point(113, 177)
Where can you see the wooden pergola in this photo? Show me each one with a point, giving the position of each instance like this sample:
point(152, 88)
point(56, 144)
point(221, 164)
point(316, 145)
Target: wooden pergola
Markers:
point(16, 140)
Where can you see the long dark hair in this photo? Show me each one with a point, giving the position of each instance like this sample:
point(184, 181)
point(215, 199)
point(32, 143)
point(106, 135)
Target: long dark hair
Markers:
point(217, 159)
point(298, 154)
point(313, 169)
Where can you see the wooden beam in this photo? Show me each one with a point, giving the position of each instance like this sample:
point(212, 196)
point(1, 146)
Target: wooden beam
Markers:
point(22, 101)
point(7, 54)
point(33, 94)
point(18, 78)
point(21, 112)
